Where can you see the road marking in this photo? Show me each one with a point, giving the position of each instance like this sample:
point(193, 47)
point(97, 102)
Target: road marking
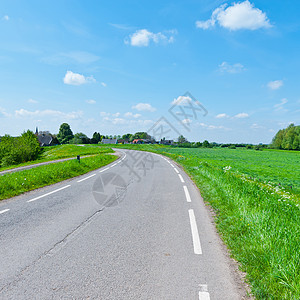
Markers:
point(34, 199)
point(4, 211)
point(86, 178)
point(103, 170)
point(172, 165)
point(195, 234)
point(113, 165)
point(176, 171)
point(180, 177)
point(187, 194)
point(204, 294)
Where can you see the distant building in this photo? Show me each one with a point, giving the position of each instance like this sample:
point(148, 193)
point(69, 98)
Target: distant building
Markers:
point(166, 142)
point(44, 138)
point(122, 141)
point(109, 141)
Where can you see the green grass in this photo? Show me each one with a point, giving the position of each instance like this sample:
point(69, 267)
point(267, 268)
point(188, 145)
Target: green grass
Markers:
point(257, 219)
point(14, 184)
point(63, 151)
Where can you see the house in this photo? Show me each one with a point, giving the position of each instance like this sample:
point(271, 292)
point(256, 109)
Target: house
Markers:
point(138, 141)
point(44, 138)
point(166, 142)
point(122, 141)
point(109, 141)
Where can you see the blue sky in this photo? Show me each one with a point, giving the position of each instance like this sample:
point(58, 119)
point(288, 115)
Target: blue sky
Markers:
point(117, 66)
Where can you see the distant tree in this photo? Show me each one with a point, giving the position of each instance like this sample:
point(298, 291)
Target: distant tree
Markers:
point(80, 138)
point(65, 133)
point(141, 135)
point(96, 138)
point(181, 139)
point(288, 139)
point(205, 144)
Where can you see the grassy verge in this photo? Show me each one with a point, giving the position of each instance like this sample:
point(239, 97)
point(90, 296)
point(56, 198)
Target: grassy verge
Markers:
point(14, 184)
point(258, 220)
point(63, 151)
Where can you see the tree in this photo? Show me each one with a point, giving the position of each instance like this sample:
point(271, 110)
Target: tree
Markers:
point(205, 144)
point(96, 138)
point(181, 139)
point(65, 133)
point(80, 138)
point(288, 139)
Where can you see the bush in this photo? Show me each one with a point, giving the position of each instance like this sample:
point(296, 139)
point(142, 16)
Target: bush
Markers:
point(15, 150)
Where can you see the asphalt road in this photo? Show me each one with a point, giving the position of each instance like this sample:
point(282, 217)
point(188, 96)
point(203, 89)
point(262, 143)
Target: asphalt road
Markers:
point(136, 229)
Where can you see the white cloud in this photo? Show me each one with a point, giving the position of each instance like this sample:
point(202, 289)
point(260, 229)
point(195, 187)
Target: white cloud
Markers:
point(241, 116)
point(232, 69)
point(5, 18)
point(3, 113)
point(241, 15)
point(211, 127)
point(256, 126)
point(91, 101)
point(48, 112)
point(104, 114)
point(280, 106)
point(142, 38)
point(182, 100)
point(131, 115)
point(221, 116)
point(32, 101)
point(187, 121)
point(77, 79)
point(275, 85)
point(103, 84)
point(117, 114)
point(144, 107)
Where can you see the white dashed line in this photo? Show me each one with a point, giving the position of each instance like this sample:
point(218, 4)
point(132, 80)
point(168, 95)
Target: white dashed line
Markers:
point(4, 211)
point(34, 199)
point(103, 170)
point(86, 178)
point(113, 165)
point(204, 294)
point(176, 170)
point(195, 234)
point(172, 165)
point(187, 194)
point(180, 177)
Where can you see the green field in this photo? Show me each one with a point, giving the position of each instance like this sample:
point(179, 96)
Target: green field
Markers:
point(13, 184)
point(63, 151)
point(257, 218)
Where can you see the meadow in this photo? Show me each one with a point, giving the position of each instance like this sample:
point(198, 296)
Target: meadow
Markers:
point(63, 151)
point(257, 213)
point(13, 184)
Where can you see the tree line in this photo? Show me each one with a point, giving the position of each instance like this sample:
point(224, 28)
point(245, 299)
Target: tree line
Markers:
point(287, 139)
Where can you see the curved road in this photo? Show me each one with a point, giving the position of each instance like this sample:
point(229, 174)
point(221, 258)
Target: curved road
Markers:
point(136, 229)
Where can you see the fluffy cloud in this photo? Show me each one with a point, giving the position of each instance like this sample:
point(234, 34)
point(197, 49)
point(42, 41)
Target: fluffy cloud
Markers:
point(131, 115)
point(211, 127)
point(5, 18)
point(221, 116)
point(103, 84)
point(77, 79)
point(142, 38)
point(241, 116)
point(91, 101)
point(241, 15)
point(275, 85)
point(232, 69)
point(144, 107)
point(182, 100)
point(48, 112)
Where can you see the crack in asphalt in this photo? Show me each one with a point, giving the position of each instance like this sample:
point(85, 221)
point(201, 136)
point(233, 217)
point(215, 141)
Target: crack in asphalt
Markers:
point(55, 248)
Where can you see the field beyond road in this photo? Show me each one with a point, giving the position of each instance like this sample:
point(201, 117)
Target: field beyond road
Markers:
point(255, 196)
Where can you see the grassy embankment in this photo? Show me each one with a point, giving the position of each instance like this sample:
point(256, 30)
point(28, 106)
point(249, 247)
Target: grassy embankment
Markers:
point(63, 151)
point(13, 184)
point(257, 218)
